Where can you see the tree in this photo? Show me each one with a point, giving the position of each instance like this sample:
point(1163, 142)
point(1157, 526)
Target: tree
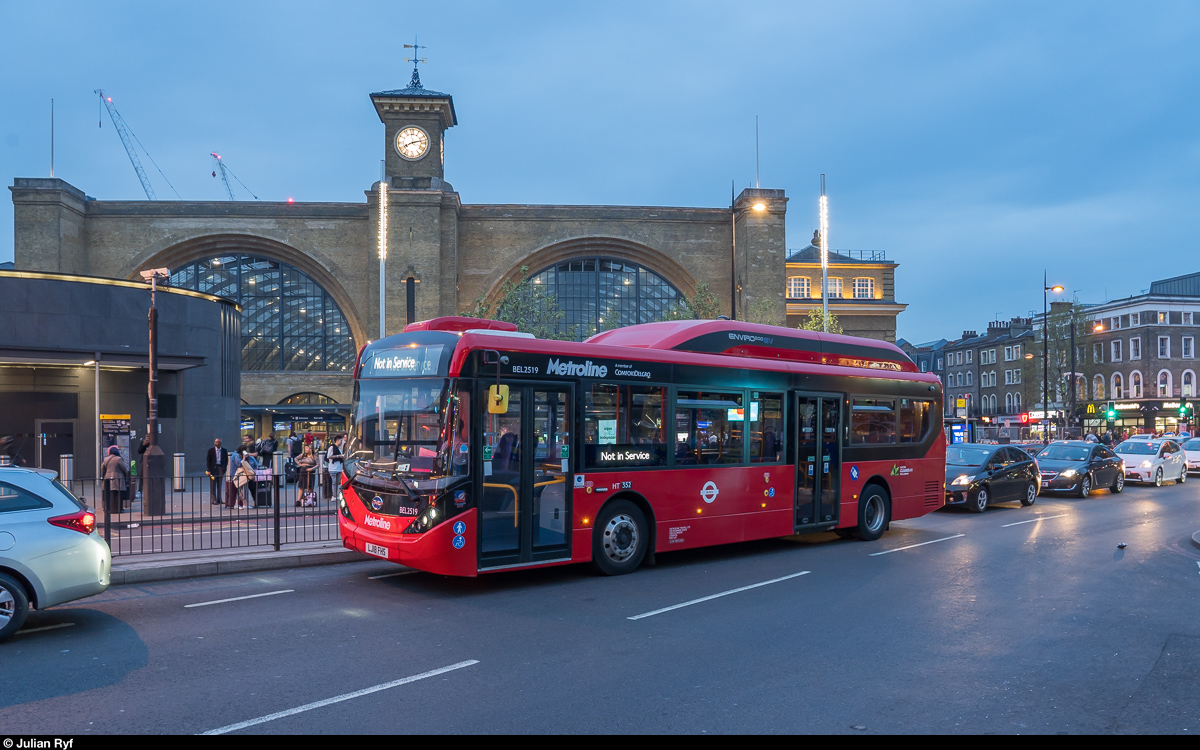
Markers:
point(816, 322)
point(703, 305)
point(1058, 339)
point(761, 310)
point(531, 308)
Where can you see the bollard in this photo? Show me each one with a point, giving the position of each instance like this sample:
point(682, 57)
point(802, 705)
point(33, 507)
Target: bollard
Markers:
point(277, 459)
point(179, 470)
point(66, 468)
point(319, 481)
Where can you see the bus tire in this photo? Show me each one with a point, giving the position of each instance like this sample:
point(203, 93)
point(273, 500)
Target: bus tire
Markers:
point(620, 538)
point(874, 513)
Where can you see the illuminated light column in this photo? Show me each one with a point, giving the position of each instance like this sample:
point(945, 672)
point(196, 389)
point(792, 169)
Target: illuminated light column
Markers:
point(824, 257)
point(383, 208)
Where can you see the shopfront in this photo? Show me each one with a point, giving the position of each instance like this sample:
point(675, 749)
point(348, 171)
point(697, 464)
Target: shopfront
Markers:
point(1140, 415)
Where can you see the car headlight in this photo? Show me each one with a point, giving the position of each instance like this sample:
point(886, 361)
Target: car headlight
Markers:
point(1068, 473)
point(1146, 464)
point(962, 480)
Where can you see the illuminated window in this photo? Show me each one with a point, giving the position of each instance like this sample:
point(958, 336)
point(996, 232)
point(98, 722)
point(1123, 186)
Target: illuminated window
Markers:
point(799, 287)
point(864, 288)
point(834, 287)
point(288, 321)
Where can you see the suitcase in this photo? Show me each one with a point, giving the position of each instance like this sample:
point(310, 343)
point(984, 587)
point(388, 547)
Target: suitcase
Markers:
point(290, 471)
point(230, 493)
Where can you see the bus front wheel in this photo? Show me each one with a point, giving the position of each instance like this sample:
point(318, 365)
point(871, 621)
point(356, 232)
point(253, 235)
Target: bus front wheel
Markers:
point(620, 538)
point(874, 511)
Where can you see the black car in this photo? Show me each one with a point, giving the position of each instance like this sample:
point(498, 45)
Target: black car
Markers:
point(977, 475)
point(1080, 467)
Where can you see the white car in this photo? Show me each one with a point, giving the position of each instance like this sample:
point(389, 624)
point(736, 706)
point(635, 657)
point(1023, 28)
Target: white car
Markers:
point(1191, 449)
point(1150, 460)
point(50, 551)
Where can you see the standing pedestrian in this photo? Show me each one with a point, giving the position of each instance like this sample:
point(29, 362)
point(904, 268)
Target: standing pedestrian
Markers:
point(333, 460)
point(243, 478)
point(307, 469)
point(308, 437)
point(217, 462)
point(266, 450)
point(115, 473)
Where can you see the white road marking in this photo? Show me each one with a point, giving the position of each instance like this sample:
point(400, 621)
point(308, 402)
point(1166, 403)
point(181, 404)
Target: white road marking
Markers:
point(340, 698)
point(1034, 520)
point(46, 627)
point(391, 575)
point(238, 598)
point(922, 544)
point(716, 596)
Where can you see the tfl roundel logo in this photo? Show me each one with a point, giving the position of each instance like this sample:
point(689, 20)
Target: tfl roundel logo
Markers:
point(854, 473)
point(377, 503)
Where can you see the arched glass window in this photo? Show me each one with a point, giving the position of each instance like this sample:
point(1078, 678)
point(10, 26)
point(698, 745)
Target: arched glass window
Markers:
point(970, 377)
point(308, 397)
point(1098, 387)
point(1118, 386)
point(288, 321)
point(1016, 402)
point(1008, 403)
point(597, 294)
point(1189, 383)
point(1135, 384)
point(1164, 384)
point(799, 287)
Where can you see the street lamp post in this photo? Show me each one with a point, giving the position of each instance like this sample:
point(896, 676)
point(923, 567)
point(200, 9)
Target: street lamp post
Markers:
point(824, 258)
point(154, 461)
point(1046, 289)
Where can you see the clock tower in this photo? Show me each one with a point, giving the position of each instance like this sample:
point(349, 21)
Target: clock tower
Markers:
point(415, 120)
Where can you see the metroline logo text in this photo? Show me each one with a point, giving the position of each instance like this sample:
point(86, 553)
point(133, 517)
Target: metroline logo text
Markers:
point(586, 370)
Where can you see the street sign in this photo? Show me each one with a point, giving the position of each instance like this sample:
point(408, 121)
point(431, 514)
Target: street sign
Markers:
point(960, 412)
point(960, 403)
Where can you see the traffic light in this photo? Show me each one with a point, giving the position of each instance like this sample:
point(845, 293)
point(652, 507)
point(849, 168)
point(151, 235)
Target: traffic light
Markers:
point(1111, 412)
point(1183, 409)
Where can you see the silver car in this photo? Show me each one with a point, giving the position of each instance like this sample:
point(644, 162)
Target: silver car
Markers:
point(50, 551)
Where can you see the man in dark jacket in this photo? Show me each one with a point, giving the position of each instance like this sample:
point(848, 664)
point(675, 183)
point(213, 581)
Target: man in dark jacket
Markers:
point(217, 465)
point(266, 449)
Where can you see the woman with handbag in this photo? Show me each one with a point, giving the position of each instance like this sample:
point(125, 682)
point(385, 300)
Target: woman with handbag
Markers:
point(243, 479)
point(333, 460)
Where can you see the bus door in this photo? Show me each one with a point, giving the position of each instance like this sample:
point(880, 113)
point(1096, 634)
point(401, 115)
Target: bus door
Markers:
point(526, 459)
point(818, 457)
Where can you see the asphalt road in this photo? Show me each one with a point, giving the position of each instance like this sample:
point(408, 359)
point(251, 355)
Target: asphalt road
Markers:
point(1019, 620)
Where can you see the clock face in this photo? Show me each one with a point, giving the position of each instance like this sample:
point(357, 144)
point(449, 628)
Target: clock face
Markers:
point(412, 143)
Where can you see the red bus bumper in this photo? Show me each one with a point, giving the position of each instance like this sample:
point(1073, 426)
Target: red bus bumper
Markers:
point(433, 551)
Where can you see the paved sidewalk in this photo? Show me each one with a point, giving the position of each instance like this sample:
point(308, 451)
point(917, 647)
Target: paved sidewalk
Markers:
point(168, 566)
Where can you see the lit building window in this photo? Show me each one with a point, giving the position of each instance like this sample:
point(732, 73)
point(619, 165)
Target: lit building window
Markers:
point(799, 287)
point(864, 288)
point(834, 287)
point(288, 321)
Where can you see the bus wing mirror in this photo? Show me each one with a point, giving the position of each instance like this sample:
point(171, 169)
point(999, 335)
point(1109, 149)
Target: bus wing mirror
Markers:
point(497, 399)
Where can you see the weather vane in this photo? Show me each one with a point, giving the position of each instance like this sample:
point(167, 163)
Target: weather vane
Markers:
point(415, 83)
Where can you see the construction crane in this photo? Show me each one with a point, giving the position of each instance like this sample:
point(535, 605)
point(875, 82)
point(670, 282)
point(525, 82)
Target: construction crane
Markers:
point(128, 138)
point(225, 173)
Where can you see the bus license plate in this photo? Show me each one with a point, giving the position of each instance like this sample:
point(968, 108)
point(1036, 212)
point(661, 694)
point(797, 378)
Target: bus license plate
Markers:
point(375, 549)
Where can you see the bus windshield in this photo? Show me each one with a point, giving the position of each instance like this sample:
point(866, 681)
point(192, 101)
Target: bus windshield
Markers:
point(403, 426)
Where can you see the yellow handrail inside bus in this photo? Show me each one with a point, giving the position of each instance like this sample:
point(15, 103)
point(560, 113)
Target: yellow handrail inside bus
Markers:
point(556, 480)
point(511, 489)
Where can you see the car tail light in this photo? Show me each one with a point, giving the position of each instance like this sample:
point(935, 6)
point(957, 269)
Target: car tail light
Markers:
point(84, 521)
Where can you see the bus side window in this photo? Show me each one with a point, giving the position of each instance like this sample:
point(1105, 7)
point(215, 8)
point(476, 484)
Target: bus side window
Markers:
point(709, 428)
point(914, 420)
point(873, 421)
point(766, 428)
point(623, 426)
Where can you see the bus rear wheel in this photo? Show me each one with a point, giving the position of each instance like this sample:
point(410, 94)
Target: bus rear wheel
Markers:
point(874, 512)
point(620, 538)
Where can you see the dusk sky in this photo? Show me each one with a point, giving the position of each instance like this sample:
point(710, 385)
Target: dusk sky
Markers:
point(975, 143)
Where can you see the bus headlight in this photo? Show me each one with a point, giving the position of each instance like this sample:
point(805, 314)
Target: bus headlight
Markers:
point(344, 508)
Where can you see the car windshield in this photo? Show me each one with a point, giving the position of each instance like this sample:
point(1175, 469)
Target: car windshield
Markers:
point(1137, 447)
point(1192, 445)
point(400, 426)
point(962, 456)
point(1064, 453)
